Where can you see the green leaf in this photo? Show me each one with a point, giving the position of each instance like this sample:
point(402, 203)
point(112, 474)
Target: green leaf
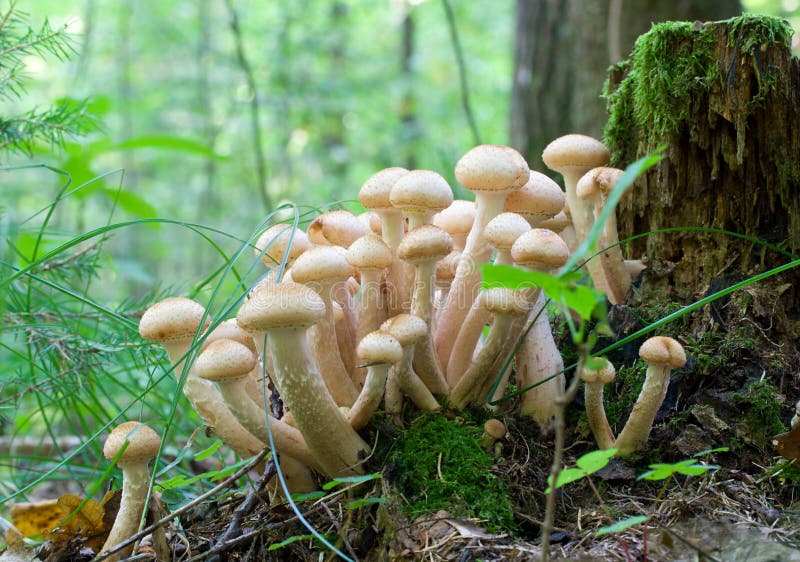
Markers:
point(364, 501)
point(131, 203)
point(315, 495)
point(168, 142)
point(620, 526)
point(290, 540)
point(596, 460)
point(565, 477)
point(208, 451)
point(350, 480)
point(711, 451)
point(661, 471)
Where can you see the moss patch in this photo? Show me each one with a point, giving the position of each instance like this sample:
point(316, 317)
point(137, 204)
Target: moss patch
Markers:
point(438, 464)
point(760, 403)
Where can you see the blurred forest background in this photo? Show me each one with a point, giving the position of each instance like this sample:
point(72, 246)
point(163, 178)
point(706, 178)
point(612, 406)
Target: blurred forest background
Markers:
point(219, 111)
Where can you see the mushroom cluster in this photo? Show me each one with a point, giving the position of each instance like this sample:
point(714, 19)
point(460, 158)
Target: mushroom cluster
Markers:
point(360, 313)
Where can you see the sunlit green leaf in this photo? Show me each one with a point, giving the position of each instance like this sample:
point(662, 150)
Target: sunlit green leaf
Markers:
point(622, 525)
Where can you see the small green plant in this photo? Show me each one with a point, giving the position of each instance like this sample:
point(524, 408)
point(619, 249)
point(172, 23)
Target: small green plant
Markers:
point(585, 465)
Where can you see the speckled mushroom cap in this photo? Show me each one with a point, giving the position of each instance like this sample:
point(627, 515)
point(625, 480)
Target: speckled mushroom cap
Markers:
point(575, 151)
point(230, 330)
point(500, 300)
point(143, 443)
point(447, 266)
point(369, 252)
point(425, 243)
point(457, 218)
point(596, 180)
point(540, 198)
point(225, 359)
point(604, 374)
point(336, 228)
point(173, 319)
point(376, 190)
point(540, 248)
point(379, 347)
point(287, 305)
point(276, 239)
point(491, 167)
point(503, 230)
point(421, 191)
point(407, 329)
point(557, 223)
point(372, 221)
point(663, 350)
point(495, 428)
point(321, 264)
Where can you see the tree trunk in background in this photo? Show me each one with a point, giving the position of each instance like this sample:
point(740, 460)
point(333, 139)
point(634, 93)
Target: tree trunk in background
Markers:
point(561, 56)
point(731, 121)
point(333, 129)
point(408, 114)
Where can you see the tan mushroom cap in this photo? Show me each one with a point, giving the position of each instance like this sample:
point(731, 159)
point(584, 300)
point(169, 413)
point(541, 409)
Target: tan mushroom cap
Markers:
point(276, 239)
point(225, 359)
point(596, 180)
point(540, 197)
point(556, 223)
point(336, 228)
point(372, 221)
point(143, 442)
point(405, 328)
point(287, 305)
point(491, 167)
point(540, 247)
point(503, 230)
point(495, 428)
point(421, 191)
point(426, 242)
point(172, 319)
point(230, 330)
point(457, 218)
point(375, 192)
point(663, 350)
point(500, 300)
point(320, 264)
point(604, 374)
point(379, 347)
point(369, 252)
point(447, 266)
point(575, 150)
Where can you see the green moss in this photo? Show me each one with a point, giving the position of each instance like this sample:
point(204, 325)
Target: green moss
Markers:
point(627, 386)
point(760, 404)
point(786, 472)
point(670, 66)
point(438, 464)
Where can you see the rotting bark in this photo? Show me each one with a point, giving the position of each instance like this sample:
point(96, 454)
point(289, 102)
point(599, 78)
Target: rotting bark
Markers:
point(724, 98)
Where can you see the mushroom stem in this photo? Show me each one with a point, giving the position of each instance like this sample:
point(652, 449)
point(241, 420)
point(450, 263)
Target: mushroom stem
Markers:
point(380, 351)
point(594, 381)
point(411, 385)
point(426, 364)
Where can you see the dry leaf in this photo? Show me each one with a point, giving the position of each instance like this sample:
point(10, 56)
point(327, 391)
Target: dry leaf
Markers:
point(33, 519)
point(788, 444)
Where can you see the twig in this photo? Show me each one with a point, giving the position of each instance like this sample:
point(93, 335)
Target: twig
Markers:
point(235, 527)
point(199, 499)
point(462, 71)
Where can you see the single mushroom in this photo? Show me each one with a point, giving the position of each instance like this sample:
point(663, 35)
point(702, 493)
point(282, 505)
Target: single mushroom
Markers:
point(141, 445)
point(662, 354)
point(371, 256)
point(281, 242)
point(491, 172)
point(493, 431)
point(408, 330)
point(540, 199)
point(336, 228)
point(445, 272)
point(285, 312)
point(595, 380)
point(379, 351)
point(457, 221)
point(230, 330)
point(175, 323)
point(423, 247)
point(324, 269)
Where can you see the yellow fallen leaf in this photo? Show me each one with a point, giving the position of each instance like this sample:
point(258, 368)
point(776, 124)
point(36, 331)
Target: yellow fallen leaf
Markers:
point(788, 444)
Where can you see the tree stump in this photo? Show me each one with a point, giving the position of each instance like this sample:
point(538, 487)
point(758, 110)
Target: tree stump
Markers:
point(724, 99)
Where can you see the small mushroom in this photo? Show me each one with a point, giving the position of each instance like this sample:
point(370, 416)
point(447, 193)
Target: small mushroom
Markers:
point(408, 330)
point(336, 228)
point(662, 354)
point(538, 200)
point(371, 256)
point(279, 242)
point(457, 221)
point(595, 380)
point(493, 431)
point(379, 351)
point(141, 446)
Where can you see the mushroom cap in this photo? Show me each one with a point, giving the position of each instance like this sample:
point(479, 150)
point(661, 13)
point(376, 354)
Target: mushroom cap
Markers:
point(573, 150)
point(143, 443)
point(375, 192)
point(421, 191)
point(172, 319)
point(491, 167)
point(503, 230)
point(495, 428)
point(372, 221)
point(425, 243)
point(229, 330)
point(276, 239)
point(598, 180)
point(503, 301)
point(287, 305)
point(369, 252)
point(540, 248)
point(663, 350)
point(604, 374)
point(457, 218)
point(405, 328)
point(556, 223)
point(321, 264)
point(447, 266)
point(225, 359)
point(336, 228)
point(539, 198)
point(379, 347)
